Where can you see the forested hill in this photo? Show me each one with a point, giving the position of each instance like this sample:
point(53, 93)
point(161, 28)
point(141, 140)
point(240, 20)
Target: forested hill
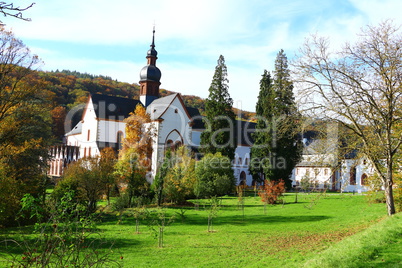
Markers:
point(71, 88)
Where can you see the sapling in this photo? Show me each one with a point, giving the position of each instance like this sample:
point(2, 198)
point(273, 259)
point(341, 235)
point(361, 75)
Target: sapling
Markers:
point(139, 214)
point(158, 225)
point(213, 212)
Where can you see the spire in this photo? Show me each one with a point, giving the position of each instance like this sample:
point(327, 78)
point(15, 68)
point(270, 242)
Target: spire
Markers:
point(152, 52)
point(153, 38)
point(150, 76)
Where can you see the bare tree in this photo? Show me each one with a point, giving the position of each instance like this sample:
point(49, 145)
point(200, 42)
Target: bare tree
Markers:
point(360, 87)
point(8, 9)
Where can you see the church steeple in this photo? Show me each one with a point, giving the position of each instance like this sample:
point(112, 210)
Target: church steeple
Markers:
point(150, 76)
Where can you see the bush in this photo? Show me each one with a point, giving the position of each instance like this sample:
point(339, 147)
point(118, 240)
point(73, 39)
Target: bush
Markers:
point(271, 191)
point(214, 176)
point(66, 239)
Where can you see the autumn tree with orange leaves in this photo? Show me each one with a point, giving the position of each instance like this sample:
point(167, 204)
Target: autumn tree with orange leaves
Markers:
point(135, 155)
point(271, 191)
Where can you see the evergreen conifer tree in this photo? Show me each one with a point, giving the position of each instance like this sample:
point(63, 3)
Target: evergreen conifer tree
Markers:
point(262, 145)
point(288, 143)
point(277, 148)
point(220, 118)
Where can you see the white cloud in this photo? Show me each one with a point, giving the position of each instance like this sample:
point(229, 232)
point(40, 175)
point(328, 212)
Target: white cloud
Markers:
point(192, 34)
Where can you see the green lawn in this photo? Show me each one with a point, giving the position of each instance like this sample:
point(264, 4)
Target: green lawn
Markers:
point(288, 235)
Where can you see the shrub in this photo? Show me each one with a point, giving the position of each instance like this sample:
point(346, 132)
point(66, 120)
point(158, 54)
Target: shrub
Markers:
point(214, 176)
point(66, 239)
point(271, 191)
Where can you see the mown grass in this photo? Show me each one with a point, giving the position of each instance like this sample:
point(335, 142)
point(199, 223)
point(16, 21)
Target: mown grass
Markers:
point(380, 245)
point(289, 234)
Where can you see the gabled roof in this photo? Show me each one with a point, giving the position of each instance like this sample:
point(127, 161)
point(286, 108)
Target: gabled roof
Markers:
point(159, 106)
point(109, 107)
point(76, 130)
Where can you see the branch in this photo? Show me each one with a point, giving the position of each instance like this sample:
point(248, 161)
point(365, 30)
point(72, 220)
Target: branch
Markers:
point(12, 11)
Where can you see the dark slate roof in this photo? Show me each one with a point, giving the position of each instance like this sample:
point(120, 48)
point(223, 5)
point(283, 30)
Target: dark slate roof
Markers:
point(195, 115)
point(243, 132)
point(150, 73)
point(114, 108)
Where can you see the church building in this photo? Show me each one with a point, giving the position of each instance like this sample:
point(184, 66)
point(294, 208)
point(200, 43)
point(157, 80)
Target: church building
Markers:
point(102, 123)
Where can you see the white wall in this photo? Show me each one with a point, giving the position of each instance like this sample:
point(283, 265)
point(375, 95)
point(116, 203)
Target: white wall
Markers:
point(108, 129)
point(361, 168)
point(241, 164)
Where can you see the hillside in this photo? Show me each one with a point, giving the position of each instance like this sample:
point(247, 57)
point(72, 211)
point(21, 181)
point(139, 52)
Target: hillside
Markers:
point(72, 88)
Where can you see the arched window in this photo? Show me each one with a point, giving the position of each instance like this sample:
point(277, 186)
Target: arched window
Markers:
point(352, 178)
point(363, 179)
point(242, 178)
point(239, 162)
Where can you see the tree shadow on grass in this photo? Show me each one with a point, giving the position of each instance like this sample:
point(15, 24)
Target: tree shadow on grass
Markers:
point(18, 246)
point(250, 220)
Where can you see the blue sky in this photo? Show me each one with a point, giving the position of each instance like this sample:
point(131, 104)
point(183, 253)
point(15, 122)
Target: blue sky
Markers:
point(112, 37)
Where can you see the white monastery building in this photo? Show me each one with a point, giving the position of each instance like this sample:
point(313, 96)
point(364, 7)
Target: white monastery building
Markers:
point(102, 125)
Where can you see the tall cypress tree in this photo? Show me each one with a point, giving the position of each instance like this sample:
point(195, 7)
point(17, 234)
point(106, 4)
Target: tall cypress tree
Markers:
point(262, 146)
point(220, 118)
point(288, 143)
point(277, 148)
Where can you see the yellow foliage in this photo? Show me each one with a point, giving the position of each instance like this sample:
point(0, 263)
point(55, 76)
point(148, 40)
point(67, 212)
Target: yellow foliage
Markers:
point(139, 137)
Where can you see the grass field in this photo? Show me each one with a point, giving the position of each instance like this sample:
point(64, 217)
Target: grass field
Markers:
point(288, 235)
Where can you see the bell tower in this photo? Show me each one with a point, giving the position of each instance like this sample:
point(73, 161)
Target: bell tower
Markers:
point(150, 76)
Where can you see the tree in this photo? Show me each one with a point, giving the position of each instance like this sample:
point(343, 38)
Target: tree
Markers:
point(83, 179)
point(359, 86)
point(271, 191)
point(135, 156)
point(107, 162)
point(24, 121)
point(160, 176)
point(214, 176)
point(276, 149)
point(287, 144)
point(58, 114)
point(220, 118)
point(260, 150)
point(180, 178)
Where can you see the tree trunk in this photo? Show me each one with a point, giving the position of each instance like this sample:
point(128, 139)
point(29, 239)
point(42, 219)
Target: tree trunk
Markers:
point(160, 195)
point(389, 196)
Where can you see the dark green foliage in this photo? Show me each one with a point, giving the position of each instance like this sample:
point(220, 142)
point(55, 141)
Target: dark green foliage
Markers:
point(82, 75)
point(219, 117)
point(277, 147)
point(214, 176)
point(262, 146)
